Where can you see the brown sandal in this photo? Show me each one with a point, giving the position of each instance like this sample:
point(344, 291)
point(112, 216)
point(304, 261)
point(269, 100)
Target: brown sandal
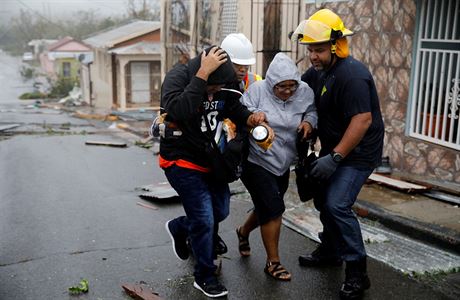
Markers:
point(277, 271)
point(243, 243)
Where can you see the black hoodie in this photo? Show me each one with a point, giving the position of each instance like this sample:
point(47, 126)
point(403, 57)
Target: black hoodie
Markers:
point(185, 99)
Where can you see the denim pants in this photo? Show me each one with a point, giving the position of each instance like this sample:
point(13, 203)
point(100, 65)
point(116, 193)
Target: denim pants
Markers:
point(206, 203)
point(341, 234)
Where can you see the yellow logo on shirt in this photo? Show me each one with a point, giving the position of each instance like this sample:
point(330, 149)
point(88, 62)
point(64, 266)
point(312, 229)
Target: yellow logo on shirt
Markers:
point(323, 90)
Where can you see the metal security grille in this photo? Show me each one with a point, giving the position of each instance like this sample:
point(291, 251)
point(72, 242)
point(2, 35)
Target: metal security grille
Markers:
point(190, 25)
point(229, 18)
point(271, 23)
point(434, 111)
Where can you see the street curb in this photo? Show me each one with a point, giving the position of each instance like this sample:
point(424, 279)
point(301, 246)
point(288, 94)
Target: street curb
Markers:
point(434, 234)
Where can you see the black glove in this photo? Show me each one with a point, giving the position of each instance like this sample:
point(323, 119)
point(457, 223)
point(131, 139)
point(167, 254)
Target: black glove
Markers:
point(323, 167)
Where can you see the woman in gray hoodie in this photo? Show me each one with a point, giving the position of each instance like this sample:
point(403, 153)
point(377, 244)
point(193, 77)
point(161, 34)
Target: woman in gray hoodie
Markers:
point(288, 104)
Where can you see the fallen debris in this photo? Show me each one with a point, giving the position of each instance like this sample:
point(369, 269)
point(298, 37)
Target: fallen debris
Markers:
point(161, 191)
point(137, 291)
point(145, 143)
point(122, 126)
point(398, 184)
point(109, 144)
point(95, 116)
point(147, 205)
point(82, 287)
point(9, 126)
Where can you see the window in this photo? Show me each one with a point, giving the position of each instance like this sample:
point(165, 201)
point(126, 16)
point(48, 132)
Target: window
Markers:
point(66, 69)
point(435, 99)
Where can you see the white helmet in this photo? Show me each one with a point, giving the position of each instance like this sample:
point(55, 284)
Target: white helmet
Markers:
point(239, 48)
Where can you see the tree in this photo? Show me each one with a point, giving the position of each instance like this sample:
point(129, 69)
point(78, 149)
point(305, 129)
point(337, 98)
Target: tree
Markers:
point(143, 10)
point(29, 25)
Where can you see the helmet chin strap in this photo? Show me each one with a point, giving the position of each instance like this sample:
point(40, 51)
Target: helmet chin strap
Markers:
point(335, 35)
point(332, 61)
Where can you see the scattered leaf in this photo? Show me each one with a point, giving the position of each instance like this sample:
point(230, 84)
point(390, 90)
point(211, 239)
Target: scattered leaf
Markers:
point(82, 287)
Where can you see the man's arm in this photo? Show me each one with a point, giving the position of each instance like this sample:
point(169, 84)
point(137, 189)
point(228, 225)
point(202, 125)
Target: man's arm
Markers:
point(182, 97)
point(355, 132)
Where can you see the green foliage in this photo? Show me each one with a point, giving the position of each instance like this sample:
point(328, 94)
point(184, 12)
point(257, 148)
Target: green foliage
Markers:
point(33, 95)
point(62, 87)
point(27, 72)
point(435, 274)
point(82, 287)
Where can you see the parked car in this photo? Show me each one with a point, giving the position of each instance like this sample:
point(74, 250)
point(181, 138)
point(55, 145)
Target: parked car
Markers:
point(27, 56)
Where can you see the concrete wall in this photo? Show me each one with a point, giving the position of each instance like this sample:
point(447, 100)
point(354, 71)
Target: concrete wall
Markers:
point(101, 76)
point(74, 67)
point(85, 83)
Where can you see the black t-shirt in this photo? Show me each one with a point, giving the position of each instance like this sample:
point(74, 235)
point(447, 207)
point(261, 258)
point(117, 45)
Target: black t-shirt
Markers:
point(345, 90)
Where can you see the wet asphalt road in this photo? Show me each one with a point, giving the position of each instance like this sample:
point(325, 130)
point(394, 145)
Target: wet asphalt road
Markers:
point(68, 211)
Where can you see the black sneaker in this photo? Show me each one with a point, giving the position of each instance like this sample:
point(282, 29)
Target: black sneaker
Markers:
point(320, 258)
point(212, 288)
point(179, 244)
point(354, 286)
point(219, 246)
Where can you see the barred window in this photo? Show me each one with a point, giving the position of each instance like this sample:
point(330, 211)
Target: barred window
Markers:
point(435, 98)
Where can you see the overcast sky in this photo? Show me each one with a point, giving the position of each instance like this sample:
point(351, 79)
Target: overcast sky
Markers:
point(57, 8)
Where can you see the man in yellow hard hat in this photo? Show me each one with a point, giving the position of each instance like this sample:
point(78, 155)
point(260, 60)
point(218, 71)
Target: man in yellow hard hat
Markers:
point(350, 129)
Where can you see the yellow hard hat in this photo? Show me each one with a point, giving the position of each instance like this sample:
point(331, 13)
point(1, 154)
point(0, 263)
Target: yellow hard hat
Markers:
point(323, 26)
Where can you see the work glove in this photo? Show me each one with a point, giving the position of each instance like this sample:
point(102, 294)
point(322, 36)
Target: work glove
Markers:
point(323, 167)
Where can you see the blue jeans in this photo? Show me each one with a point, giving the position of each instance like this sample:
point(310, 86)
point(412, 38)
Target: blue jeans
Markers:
point(341, 234)
point(205, 203)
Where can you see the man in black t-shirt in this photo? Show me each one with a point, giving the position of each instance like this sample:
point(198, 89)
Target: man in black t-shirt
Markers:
point(350, 129)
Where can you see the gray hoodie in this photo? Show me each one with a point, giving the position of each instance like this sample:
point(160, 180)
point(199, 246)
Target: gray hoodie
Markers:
point(283, 116)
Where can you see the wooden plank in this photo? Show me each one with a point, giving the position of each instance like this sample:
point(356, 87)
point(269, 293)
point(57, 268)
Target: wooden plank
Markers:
point(398, 184)
point(140, 292)
point(8, 126)
point(109, 144)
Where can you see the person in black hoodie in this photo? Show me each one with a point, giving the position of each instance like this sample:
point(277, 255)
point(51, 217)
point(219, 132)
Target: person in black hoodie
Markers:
point(189, 94)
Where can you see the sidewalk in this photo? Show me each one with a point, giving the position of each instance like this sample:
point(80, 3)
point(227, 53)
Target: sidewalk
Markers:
point(418, 216)
point(415, 215)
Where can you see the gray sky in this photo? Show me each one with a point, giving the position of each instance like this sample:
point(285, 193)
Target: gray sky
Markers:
point(57, 8)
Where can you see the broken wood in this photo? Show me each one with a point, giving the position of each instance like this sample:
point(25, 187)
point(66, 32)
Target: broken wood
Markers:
point(8, 126)
point(109, 144)
point(90, 116)
point(122, 126)
point(137, 291)
point(398, 184)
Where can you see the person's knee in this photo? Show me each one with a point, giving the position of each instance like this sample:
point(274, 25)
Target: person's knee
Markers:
point(202, 224)
point(336, 209)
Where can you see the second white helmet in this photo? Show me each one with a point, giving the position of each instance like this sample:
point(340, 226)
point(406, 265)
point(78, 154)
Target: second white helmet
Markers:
point(239, 48)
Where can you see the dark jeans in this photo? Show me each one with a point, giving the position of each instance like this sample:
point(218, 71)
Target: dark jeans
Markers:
point(341, 231)
point(205, 203)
